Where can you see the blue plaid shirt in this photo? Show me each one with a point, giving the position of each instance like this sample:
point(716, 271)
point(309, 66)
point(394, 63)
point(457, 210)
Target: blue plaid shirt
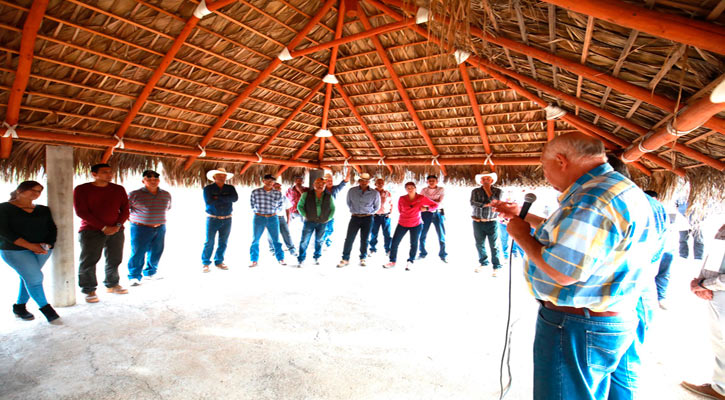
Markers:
point(264, 202)
point(604, 236)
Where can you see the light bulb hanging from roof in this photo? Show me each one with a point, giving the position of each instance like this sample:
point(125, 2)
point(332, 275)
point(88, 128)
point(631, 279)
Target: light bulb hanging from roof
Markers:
point(323, 133)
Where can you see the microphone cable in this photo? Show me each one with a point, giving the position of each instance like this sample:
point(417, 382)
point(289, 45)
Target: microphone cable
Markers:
point(506, 354)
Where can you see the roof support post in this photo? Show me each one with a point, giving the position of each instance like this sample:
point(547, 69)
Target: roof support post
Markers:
point(673, 27)
point(22, 75)
point(474, 105)
point(401, 88)
point(260, 78)
point(201, 10)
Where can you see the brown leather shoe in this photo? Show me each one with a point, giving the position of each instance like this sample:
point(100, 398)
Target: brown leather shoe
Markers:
point(117, 290)
point(705, 390)
point(222, 266)
point(91, 297)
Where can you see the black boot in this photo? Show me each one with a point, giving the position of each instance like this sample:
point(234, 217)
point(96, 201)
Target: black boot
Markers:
point(21, 312)
point(49, 313)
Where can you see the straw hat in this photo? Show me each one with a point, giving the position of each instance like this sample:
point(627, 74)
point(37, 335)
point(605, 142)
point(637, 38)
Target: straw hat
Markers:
point(493, 176)
point(364, 176)
point(210, 174)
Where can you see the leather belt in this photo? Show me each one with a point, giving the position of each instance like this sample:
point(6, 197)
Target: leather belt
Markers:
point(577, 311)
point(386, 215)
point(362, 215)
point(482, 220)
point(265, 215)
point(147, 225)
point(219, 216)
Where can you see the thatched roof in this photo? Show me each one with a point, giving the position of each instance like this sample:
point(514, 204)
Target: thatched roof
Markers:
point(92, 59)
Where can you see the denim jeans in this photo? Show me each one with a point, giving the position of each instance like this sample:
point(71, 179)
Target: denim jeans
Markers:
point(362, 224)
point(506, 241)
point(307, 229)
point(400, 232)
point(214, 226)
point(698, 247)
point(436, 219)
point(329, 228)
point(28, 265)
point(147, 245)
point(575, 357)
point(284, 232)
point(259, 224)
point(663, 276)
point(481, 232)
point(93, 243)
point(380, 222)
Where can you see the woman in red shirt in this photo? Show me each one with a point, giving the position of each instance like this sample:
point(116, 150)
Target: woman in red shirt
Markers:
point(410, 206)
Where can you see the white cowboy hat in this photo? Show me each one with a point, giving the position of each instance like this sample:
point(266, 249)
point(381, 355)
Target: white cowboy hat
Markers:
point(210, 174)
point(493, 176)
point(364, 176)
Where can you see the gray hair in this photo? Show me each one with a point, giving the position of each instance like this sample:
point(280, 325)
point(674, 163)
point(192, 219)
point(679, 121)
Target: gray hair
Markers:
point(575, 146)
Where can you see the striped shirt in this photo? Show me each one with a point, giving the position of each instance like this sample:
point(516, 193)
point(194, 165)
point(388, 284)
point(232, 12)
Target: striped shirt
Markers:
point(603, 235)
point(480, 200)
point(266, 202)
point(147, 208)
point(436, 194)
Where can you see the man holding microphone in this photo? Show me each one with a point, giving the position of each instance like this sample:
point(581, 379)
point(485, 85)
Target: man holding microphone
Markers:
point(587, 264)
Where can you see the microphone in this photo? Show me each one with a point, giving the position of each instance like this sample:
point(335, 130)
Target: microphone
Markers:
point(528, 199)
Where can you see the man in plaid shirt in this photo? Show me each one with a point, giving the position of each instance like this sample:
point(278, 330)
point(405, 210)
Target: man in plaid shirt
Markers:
point(588, 265)
point(266, 203)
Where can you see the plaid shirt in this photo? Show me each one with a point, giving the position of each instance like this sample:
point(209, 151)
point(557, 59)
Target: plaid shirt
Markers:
point(604, 236)
point(264, 202)
point(479, 201)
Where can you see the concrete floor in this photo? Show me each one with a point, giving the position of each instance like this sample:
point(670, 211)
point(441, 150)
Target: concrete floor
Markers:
point(314, 333)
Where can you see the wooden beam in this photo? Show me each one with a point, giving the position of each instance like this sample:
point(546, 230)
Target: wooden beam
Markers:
point(400, 87)
point(474, 105)
point(22, 73)
point(443, 161)
point(550, 126)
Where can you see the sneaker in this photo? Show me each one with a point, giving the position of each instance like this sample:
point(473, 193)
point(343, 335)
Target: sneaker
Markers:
point(135, 282)
point(389, 265)
point(363, 263)
point(445, 260)
point(154, 277)
point(317, 261)
point(408, 265)
point(118, 289)
point(281, 262)
point(373, 251)
point(222, 266)
point(342, 263)
point(91, 297)
point(253, 264)
point(421, 257)
point(300, 264)
point(705, 390)
point(205, 268)
point(292, 252)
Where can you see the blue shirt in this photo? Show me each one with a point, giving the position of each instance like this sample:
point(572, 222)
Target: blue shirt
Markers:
point(603, 235)
point(219, 199)
point(266, 202)
point(335, 189)
point(367, 202)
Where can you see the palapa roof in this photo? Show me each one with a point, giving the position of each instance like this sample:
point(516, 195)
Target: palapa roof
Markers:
point(222, 97)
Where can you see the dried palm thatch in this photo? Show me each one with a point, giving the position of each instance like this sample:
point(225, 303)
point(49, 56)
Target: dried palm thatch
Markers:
point(401, 94)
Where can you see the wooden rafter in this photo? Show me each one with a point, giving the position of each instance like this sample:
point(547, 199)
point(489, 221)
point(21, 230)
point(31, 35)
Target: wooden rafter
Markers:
point(262, 76)
point(22, 73)
point(474, 106)
point(585, 53)
point(400, 87)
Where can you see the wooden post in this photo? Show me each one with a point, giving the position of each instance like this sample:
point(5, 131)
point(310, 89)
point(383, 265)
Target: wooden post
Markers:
point(59, 170)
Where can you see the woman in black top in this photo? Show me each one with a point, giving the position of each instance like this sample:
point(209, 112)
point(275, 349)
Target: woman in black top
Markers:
point(27, 235)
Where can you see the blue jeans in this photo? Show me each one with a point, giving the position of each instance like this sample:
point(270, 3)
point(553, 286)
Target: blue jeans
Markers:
point(663, 275)
point(576, 357)
point(329, 228)
point(697, 245)
point(307, 229)
point(436, 219)
point(481, 232)
point(28, 264)
point(223, 227)
point(380, 222)
point(362, 224)
point(400, 232)
point(147, 245)
point(259, 224)
point(284, 232)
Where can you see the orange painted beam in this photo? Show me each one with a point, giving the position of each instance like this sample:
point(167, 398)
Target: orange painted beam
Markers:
point(550, 126)
point(260, 78)
point(396, 26)
point(679, 29)
point(22, 73)
point(474, 105)
point(401, 89)
point(321, 154)
point(444, 161)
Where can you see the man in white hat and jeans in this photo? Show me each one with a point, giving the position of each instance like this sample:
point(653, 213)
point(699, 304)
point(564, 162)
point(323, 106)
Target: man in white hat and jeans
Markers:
point(218, 197)
point(363, 202)
point(484, 220)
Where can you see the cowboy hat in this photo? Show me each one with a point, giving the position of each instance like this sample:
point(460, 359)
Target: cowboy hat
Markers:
point(364, 176)
point(210, 174)
point(493, 176)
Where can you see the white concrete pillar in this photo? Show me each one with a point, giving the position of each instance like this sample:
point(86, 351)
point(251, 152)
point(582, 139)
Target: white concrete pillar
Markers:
point(62, 277)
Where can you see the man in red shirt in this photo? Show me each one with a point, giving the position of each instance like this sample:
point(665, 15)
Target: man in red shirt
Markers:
point(103, 209)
